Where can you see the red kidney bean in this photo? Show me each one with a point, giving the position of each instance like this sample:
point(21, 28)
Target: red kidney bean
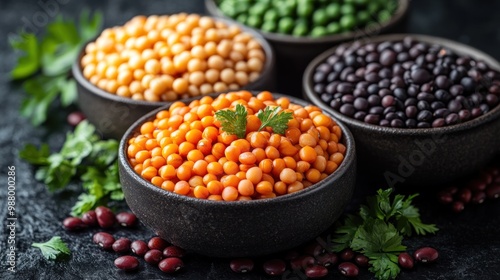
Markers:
point(127, 263)
point(347, 254)
point(173, 251)
point(274, 267)
point(126, 219)
point(291, 255)
point(302, 262)
point(241, 265)
point(90, 218)
point(157, 243)
point(348, 269)
point(426, 254)
point(487, 177)
point(314, 249)
point(464, 195)
point(477, 185)
point(73, 224)
point(405, 260)
point(122, 245)
point(139, 247)
point(361, 260)
point(445, 198)
point(105, 217)
point(451, 190)
point(74, 118)
point(327, 259)
point(170, 265)
point(493, 191)
point(104, 239)
point(316, 271)
point(458, 206)
point(478, 197)
point(153, 256)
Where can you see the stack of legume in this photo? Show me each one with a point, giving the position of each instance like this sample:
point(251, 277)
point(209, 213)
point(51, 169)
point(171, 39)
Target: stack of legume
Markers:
point(184, 150)
point(308, 17)
point(406, 84)
point(165, 58)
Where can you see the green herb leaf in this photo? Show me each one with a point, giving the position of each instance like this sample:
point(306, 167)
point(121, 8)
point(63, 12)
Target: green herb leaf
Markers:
point(383, 265)
point(275, 119)
point(29, 63)
point(233, 122)
point(53, 248)
point(90, 25)
point(31, 154)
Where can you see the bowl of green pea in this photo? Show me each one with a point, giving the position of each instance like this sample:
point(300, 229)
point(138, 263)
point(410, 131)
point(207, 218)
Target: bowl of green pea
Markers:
point(300, 30)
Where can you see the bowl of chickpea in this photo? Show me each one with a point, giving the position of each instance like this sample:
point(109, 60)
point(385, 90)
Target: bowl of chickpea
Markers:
point(278, 175)
point(152, 61)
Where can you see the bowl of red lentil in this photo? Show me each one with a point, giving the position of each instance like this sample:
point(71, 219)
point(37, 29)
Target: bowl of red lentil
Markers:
point(211, 192)
point(151, 61)
point(424, 111)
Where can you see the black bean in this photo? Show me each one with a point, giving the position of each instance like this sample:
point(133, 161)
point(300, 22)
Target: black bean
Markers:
point(411, 123)
point(348, 110)
point(484, 108)
point(121, 245)
point(492, 99)
point(127, 263)
point(139, 247)
point(153, 256)
point(387, 101)
point(423, 105)
point(420, 76)
point(372, 119)
point(171, 265)
point(441, 113)
point(348, 98)
point(378, 110)
point(316, 271)
point(242, 265)
point(345, 88)
point(348, 269)
point(426, 255)
point(333, 76)
point(319, 77)
point(104, 240)
point(397, 123)
point(360, 92)
point(73, 224)
point(442, 82)
point(468, 83)
point(384, 92)
point(440, 122)
point(105, 217)
point(452, 118)
point(335, 104)
point(423, 125)
point(476, 112)
point(442, 95)
point(454, 106)
point(384, 123)
point(400, 93)
point(425, 96)
point(436, 105)
point(274, 267)
point(374, 100)
point(327, 98)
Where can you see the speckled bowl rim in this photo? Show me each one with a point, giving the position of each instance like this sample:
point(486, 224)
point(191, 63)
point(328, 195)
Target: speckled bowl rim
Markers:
point(267, 70)
point(347, 163)
point(457, 47)
point(402, 9)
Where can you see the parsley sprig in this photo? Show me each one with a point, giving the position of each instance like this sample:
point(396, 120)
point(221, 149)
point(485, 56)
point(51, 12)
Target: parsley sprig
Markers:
point(53, 249)
point(235, 122)
point(378, 229)
point(44, 63)
point(83, 156)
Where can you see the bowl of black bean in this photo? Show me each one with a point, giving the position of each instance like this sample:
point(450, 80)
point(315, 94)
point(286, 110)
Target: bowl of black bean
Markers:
point(423, 110)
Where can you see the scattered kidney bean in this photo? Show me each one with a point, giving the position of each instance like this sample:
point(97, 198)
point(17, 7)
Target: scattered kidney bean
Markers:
point(90, 218)
point(316, 271)
point(153, 256)
point(157, 243)
point(465, 195)
point(445, 198)
point(105, 217)
point(493, 191)
point(348, 269)
point(405, 260)
point(73, 224)
point(347, 254)
point(173, 251)
point(139, 247)
point(302, 262)
point(74, 118)
point(478, 197)
point(122, 245)
point(104, 240)
point(458, 206)
point(126, 219)
point(361, 260)
point(242, 265)
point(274, 267)
point(314, 249)
point(170, 265)
point(426, 254)
point(327, 259)
point(127, 263)
point(291, 255)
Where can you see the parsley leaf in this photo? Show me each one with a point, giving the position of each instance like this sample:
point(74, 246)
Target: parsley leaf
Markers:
point(29, 62)
point(53, 248)
point(233, 122)
point(275, 119)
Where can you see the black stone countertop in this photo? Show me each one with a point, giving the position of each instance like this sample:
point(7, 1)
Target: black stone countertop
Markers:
point(469, 243)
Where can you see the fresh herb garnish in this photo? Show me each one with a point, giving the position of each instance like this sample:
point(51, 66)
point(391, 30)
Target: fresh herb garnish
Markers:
point(272, 117)
point(44, 64)
point(53, 248)
point(83, 156)
point(378, 229)
point(233, 122)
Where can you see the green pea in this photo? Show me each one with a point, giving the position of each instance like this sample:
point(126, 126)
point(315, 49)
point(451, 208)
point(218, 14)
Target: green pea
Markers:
point(228, 9)
point(269, 26)
point(320, 17)
point(361, 2)
point(258, 9)
point(347, 22)
point(271, 15)
point(333, 28)
point(373, 8)
point(384, 16)
point(333, 11)
point(287, 8)
point(254, 21)
point(318, 31)
point(285, 25)
point(301, 27)
point(347, 9)
point(305, 9)
point(241, 6)
point(363, 17)
point(242, 18)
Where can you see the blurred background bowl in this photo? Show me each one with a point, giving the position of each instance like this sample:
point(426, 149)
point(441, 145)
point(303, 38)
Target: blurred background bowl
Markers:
point(293, 54)
point(239, 228)
point(419, 157)
point(113, 115)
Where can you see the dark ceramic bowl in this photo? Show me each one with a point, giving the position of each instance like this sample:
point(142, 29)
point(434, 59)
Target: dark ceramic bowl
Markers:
point(113, 114)
point(423, 157)
point(239, 228)
point(294, 53)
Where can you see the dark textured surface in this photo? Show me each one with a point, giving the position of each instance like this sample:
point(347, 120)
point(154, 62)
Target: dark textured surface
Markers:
point(468, 243)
